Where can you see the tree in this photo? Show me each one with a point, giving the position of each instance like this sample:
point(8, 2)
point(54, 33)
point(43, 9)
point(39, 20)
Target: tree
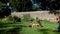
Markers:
point(21, 5)
point(4, 1)
point(4, 11)
point(55, 12)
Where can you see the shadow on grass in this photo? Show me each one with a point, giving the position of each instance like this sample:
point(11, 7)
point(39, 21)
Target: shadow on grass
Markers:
point(14, 31)
point(2, 32)
point(45, 31)
point(56, 31)
point(24, 26)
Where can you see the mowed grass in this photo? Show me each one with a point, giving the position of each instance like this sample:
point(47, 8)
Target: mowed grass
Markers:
point(49, 28)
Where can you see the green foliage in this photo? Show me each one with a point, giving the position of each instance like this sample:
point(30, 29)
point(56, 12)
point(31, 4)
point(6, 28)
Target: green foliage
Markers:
point(17, 19)
point(4, 11)
point(14, 30)
point(35, 7)
point(9, 26)
point(55, 12)
point(32, 19)
point(10, 20)
point(1, 4)
point(37, 18)
point(14, 18)
point(21, 4)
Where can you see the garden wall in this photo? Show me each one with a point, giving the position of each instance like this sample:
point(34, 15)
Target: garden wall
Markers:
point(40, 14)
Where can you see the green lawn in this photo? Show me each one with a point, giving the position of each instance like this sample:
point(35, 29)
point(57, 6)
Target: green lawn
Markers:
point(49, 28)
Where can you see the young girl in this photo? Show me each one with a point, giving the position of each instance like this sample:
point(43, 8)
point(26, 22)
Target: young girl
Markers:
point(40, 23)
point(58, 23)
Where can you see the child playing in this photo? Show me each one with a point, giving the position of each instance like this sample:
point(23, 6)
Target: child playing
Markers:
point(40, 23)
point(59, 24)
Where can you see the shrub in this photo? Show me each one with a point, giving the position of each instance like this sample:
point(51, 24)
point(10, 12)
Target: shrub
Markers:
point(37, 18)
point(14, 18)
point(5, 11)
point(32, 19)
point(17, 19)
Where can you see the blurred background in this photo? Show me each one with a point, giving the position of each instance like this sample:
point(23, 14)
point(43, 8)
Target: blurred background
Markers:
point(30, 5)
point(17, 15)
point(9, 6)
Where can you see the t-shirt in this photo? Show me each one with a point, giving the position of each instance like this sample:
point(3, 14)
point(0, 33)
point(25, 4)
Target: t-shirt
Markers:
point(39, 22)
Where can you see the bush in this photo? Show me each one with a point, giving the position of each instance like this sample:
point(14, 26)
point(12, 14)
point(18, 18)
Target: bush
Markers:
point(14, 18)
point(37, 18)
point(17, 19)
point(32, 19)
point(5, 11)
